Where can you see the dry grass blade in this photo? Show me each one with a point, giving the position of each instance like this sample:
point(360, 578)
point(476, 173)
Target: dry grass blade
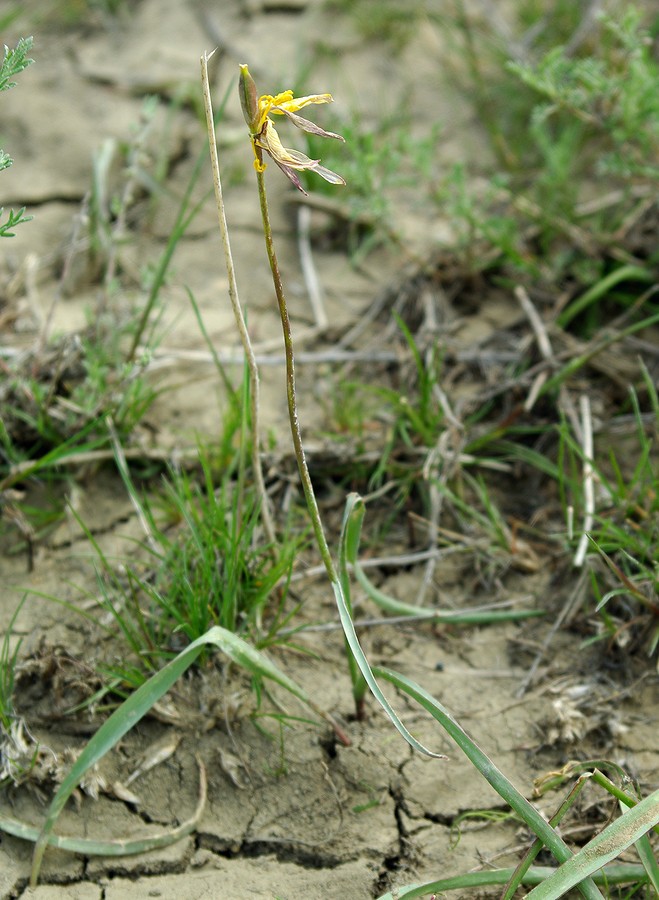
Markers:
point(588, 480)
point(241, 324)
point(123, 847)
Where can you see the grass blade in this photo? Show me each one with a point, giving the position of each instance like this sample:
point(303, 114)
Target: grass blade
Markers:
point(489, 771)
point(602, 849)
point(350, 537)
point(649, 861)
point(123, 847)
point(578, 362)
point(616, 874)
point(354, 503)
point(350, 548)
point(525, 864)
point(139, 704)
point(601, 288)
point(369, 677)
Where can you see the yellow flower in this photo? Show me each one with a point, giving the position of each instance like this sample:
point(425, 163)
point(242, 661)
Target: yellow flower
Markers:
point(257, 112)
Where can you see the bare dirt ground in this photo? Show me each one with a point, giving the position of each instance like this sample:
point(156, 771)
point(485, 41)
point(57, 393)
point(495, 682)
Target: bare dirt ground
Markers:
point(305, 818)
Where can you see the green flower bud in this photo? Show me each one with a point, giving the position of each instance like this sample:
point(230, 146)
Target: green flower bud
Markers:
point(249, 99)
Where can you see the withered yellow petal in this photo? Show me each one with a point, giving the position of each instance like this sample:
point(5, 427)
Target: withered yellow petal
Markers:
point(306, 125)
point(292, 104)
point(269, 141)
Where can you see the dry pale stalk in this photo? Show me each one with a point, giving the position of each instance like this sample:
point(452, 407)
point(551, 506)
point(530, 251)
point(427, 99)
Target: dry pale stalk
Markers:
point(588, 479)
point(237, 309)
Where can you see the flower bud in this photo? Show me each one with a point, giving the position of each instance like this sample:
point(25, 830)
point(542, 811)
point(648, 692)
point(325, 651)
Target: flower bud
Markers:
point(249, 99)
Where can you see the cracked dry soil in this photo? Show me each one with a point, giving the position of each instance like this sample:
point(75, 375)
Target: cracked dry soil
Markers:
point(307, 818)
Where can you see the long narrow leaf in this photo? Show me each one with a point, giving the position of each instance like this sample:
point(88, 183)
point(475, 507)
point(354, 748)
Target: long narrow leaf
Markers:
point(138, 705)
point(489, 771)
point(649, 861)
point(350, 547)
point(119, 847)
point(577, 362)
point(602, 849)
point(359, 685)
point(615, 874)
point(369, 678)
point(526, 862)
point(601, 288)
point(353, 502)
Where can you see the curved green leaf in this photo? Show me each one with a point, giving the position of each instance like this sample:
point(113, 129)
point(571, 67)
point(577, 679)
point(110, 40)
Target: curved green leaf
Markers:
point(119, 847)
point(603, 848)
point(354, 511)
point(615, 874)
point(138, 705)
point(350, 549)
point(489, 771)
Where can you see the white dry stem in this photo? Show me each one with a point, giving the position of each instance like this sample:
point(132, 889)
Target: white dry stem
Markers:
point(163, 357)
point(237, 309)
point(588, 479)
point(544, 345)
point(309, 269)
point(536, 322)
point(542, 339)
point(439, 466)
point(570, 522)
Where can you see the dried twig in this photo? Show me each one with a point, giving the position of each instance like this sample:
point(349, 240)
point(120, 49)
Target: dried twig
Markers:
point(544, 345)
point(237, 311)
point(588, 479)
point(162, 357)
point(543, 342)
point(159, 454)
point(450, 459)
point(308, 268)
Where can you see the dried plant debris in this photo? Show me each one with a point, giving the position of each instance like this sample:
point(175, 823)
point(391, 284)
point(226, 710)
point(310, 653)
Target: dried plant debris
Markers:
point(52, 681)
point(21, 756)
point(26, 761)
point(580, 708)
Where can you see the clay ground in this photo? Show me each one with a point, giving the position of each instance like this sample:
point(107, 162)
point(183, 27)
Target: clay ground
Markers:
point(304, 817)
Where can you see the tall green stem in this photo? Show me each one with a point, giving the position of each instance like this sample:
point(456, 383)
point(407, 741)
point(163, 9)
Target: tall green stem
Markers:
point(340, 594)
point(358, 682)
point(298, 447)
